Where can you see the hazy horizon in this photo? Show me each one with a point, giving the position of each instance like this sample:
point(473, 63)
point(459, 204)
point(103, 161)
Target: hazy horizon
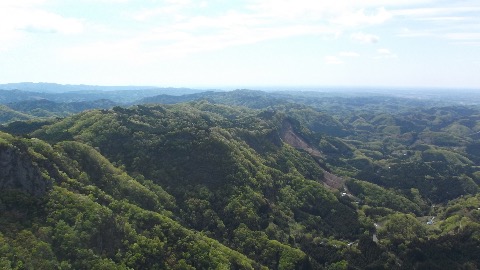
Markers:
point(34, 86)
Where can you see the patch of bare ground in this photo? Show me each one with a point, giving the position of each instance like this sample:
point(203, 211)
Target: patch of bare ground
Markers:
point(289, 136)
point(332, 180)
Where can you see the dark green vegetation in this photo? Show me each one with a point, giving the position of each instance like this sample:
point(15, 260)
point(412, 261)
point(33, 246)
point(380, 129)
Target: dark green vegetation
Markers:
point(244, 180)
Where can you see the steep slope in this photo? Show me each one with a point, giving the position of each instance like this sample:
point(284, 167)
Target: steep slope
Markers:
point(70, 208)
point(231, 174)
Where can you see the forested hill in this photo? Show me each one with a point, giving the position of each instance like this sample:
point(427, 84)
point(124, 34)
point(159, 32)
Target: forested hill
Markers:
point(67, 207)
point(263, 182)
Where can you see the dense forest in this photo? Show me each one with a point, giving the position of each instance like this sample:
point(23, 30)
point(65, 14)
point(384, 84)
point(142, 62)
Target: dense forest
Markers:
point(240, 180)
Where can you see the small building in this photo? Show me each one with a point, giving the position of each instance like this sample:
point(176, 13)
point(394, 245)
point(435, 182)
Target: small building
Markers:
point(430, 222)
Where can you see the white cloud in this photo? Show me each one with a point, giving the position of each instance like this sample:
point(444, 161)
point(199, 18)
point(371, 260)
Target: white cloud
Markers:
point(437, 11)
point(146, 14)
point(22, 17)
point(469, 43)
point(314, 9)
point(444, 19)
point(294, 9)
point(452, 20)
point(169, 9)
point(349, 54)
point(385, 54)
point(89, 2)
point(406, 32)
point(260, 20)
point(384, 51)
point(178, 30)
point(463, 36)
point(338, 60)
point(42, 21)
point(20, 3)
point(107, 52)
point(333, 60)
point(365, 38)
point(178, 41)
point(361, 17)
point(178, 24)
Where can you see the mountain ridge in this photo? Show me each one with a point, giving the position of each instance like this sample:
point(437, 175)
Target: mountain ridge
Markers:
point(244, 181)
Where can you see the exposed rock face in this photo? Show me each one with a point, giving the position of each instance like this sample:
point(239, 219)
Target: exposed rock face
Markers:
point(293, 139)
point(17, 171)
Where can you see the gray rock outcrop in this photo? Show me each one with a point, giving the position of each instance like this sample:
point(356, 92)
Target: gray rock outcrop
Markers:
point(18, 172)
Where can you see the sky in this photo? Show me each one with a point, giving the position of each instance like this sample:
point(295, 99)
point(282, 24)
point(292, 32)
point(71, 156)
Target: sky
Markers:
point(242, 44)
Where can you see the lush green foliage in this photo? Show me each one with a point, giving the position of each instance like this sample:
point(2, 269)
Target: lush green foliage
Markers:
point(286, 182)
point(97, 217)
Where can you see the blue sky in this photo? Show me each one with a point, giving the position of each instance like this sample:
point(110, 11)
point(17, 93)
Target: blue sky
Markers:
point(251, 43)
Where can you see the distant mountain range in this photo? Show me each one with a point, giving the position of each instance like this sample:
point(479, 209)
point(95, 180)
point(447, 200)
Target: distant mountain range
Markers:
point(66, 88)
point(62, 88)
point(14, 92)
point(24, 103)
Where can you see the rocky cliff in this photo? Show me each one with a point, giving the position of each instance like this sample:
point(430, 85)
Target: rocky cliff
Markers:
point(18, 172)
